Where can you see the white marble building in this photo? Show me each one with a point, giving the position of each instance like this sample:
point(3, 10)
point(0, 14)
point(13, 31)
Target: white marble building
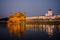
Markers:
point(48, 15)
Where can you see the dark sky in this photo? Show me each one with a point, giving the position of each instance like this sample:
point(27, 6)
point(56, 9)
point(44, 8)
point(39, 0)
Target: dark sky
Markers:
point(31, 7)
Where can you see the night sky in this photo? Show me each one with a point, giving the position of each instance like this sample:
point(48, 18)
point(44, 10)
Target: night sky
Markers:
point(31, 7)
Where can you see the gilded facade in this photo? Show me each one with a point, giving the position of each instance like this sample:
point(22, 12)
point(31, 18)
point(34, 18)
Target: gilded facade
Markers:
point(16, 23)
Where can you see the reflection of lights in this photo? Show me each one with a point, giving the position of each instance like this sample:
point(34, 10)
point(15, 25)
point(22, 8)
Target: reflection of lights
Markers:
point(16, 28)
point(59, 26)
point(48, 28)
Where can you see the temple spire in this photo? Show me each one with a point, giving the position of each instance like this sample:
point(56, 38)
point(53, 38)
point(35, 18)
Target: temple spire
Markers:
point(49, 13)
point(49, 9)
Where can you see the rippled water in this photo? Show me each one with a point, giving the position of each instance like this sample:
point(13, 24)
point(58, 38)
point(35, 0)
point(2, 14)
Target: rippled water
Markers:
point(30, 32)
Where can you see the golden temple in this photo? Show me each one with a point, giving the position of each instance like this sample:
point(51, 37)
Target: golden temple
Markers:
point(16, 23)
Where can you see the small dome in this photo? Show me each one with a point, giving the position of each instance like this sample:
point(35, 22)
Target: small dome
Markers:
point(49, 9)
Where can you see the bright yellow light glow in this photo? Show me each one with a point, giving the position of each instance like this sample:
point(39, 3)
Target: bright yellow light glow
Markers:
point(16, 23)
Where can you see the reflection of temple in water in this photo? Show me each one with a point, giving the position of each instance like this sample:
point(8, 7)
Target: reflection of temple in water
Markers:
point(49, 29)
point(16, 23)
